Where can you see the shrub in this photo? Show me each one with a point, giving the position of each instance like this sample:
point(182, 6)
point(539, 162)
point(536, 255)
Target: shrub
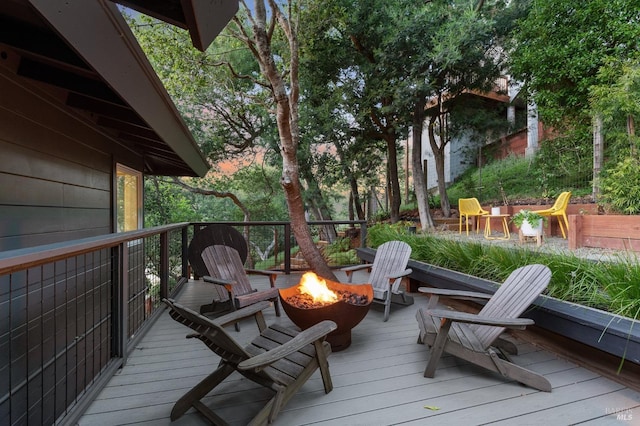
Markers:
point(612, 286)
point(620, 187)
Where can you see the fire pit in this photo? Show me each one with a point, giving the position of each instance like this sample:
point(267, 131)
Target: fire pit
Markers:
point(315, 299)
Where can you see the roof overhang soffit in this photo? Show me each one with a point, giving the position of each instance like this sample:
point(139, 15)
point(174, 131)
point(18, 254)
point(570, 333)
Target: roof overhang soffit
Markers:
point(98, 33)
point(204, 19)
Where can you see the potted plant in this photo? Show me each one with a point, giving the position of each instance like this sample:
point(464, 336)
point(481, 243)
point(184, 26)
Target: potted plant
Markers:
point(529, 222)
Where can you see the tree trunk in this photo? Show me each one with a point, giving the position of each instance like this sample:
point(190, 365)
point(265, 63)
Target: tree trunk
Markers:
point(419, 178)
point(319, 206)
point(394, 183)
point(438, 155)
point(353, 183)
point(287, 121)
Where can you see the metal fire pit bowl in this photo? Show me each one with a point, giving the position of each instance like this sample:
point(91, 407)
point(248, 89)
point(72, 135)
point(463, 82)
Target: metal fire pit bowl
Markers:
point(344, 314)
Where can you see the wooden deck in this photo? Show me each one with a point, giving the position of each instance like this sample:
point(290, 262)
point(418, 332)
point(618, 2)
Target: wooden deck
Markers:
point(377, 381)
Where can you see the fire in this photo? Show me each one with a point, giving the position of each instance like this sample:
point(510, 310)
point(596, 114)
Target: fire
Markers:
point(317, 288)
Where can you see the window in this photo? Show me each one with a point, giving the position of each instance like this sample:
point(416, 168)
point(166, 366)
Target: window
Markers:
point(128, 199)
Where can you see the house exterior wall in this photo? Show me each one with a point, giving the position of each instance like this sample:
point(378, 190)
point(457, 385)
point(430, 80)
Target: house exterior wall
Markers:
point(456, 159)
point(56, 170)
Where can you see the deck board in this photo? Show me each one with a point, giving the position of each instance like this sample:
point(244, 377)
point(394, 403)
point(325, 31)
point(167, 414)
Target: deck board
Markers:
point(377, 381)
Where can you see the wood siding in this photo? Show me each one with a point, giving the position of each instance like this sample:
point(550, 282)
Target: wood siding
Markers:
point(56, 170)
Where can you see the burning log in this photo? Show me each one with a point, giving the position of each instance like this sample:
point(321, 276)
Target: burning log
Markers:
point(306, 301)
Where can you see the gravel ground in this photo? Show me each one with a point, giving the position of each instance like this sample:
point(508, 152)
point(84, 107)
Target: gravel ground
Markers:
point(549, 245)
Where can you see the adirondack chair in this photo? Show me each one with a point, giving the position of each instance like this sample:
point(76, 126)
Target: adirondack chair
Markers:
point(559, 209)
point(279, 358)
point(227, 272)
point(474, 337)
point(215, 234)
point(386, 273)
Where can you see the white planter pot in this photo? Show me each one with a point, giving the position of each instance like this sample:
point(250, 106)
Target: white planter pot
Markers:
point(530, 230)
point(495, 211)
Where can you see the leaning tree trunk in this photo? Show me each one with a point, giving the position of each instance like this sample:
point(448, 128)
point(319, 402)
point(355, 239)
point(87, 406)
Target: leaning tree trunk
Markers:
point(287, 121)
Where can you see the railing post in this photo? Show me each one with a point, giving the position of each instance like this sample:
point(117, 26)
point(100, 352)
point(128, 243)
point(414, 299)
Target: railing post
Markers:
point(185, 252)
point(164, 264)
point(120, 299)
point(287, 248)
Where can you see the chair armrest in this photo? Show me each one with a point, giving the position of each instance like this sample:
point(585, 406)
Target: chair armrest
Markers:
point(263, 272)
point(349, 270)
point(517, 323)
point(354, 268)
point(218, 281)
point(310, 335)
point(273, 275)
point(455, 294)
point(400, 274)
point(235, 316)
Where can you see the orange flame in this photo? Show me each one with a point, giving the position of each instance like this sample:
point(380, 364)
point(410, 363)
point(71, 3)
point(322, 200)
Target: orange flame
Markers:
point(317, 288)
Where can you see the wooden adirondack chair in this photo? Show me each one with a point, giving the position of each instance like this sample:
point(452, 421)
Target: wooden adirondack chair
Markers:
point(279, 358)
point(227, 272)
point(215, 234)
point(388, 268)
point(474, 337)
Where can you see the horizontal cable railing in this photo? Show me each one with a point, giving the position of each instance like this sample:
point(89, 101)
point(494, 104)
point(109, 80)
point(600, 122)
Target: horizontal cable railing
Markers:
point(272, 245)
point(71, 312)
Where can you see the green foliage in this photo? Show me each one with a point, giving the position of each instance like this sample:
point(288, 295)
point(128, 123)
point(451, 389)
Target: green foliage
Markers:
point(508, 177)
point(526, 215)
point(620, 187)
point(613, 285)
point(560, 47)
point(564, 163)
point(165, 203)
point(555, 168)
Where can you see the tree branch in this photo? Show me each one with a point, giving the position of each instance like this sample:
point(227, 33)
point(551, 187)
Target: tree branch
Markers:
point(218, 194)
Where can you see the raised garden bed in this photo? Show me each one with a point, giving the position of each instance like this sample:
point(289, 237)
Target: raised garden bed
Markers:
point(610, 333)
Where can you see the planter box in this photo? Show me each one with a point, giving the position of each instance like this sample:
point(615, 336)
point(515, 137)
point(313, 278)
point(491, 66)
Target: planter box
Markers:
point(618, 232)
point(613, 334)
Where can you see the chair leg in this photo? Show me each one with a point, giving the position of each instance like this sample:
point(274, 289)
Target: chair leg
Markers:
point(438, 348)
point(387, 305)
point(276, 305)
point(566, 225)
point(200, 390)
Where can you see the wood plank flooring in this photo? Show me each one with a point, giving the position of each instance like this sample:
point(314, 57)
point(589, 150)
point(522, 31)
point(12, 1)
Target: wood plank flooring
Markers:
point(377, 381)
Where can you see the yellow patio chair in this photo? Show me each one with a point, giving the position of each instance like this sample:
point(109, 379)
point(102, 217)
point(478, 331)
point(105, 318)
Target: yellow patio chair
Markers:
point(470, 207)
point(559, 209)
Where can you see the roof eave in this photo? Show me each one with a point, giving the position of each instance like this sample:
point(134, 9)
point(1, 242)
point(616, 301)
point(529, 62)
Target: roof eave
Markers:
point(103, 39)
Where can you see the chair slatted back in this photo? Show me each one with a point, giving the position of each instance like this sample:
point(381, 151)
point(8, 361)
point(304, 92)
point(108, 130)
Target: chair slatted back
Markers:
point(224, 262)
point(511, 299)
point(391, 258)
point(215, 234)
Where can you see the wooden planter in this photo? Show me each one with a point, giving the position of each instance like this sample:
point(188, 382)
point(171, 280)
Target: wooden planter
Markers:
point(618, 232)
point(613, 334)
